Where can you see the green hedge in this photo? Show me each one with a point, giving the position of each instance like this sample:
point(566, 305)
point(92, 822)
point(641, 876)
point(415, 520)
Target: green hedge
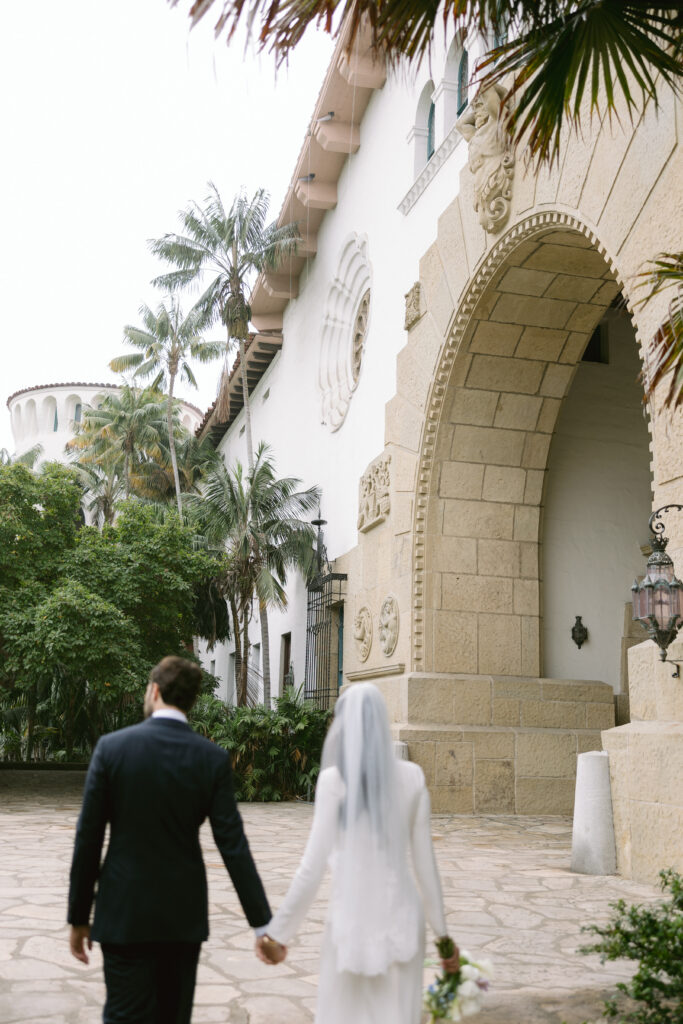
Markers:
point(275, 753)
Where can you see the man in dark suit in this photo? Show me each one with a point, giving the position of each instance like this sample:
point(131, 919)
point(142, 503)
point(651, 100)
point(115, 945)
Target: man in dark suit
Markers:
point(155, 783)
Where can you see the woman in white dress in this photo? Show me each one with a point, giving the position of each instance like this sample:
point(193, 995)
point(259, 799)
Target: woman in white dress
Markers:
point(371, 817)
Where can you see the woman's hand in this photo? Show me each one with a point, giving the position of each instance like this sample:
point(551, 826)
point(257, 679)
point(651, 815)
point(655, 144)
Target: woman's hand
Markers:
point(269, 951)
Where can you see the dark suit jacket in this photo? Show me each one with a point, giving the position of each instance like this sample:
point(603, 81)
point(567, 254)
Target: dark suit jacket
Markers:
point(155, 783)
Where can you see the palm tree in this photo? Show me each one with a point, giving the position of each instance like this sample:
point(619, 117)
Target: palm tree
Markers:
point(166, 343)
point(125, 431)
point(230, 248)
point(261, 520)
point(103, 488)
point(666, 271)
point(194, 459)
point(27, 458)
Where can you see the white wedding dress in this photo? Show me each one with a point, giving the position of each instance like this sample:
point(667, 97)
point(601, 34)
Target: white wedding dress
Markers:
point(395, 995)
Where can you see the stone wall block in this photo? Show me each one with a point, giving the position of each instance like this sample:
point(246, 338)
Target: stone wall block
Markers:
point(475, 407)
point(525, 282)
point(455, 645)
point(527, 519)
point(521, 689)
point(566, 259)
point(533, 488)
point(531, 645)
point(494, 787)
point(403, 424)
point(495, 339)
point(476, 593)
point(584, 318)
point(526, 598)
point(455, 554)
point(535, 454)
point(528, 555)
point(517, 412)
point(541, 343)
point(497, 745)
point(454, 765)
point(499, 558)
point(500, 374)
point(642, 694)
point(574, 348)
point(500, 644)
point(472, 702)
point(656, 757)
point(448, 800)
point(430, 700)
point(505, 711)
point(591, 692)
point(525, 309)
point(414, 376)
point(580, 289)
point(488, 445)
point(557, 714)
point(438, 299)
point(549, 414)
point(544, 796)
point(451, 245)
point(404, 470)
point(545, 754)
point(556, 380)
point(504, 483)
point(599, 716)
point(478, 519)
point(461, 480)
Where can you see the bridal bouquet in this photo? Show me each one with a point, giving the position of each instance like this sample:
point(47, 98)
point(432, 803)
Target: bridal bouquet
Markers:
point(454, 996)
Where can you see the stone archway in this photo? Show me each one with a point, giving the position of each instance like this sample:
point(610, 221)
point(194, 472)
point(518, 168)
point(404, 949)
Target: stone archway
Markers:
point(506, 366)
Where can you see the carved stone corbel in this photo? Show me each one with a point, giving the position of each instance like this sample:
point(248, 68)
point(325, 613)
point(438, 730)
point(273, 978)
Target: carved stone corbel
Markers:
point(388, 625)
point(362, 633)
point(414, 308)
point(490, 158)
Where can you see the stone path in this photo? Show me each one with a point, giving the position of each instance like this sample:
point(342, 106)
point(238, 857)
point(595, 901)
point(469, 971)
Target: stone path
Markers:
point(508, 889)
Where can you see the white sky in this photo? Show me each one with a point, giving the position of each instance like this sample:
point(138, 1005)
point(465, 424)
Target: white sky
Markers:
point(114, 116)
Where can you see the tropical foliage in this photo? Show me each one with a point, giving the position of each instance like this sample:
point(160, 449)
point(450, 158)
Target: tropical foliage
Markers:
point(84, 615)
point(275, 751)
point(653, 937)
point(166, 343)
point(227, 248)
point(667, 347)
point(262, 522)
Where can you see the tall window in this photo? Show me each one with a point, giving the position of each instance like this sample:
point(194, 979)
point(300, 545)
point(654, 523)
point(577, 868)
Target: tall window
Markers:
point(77, 412)
point(463, 81)
point(55, 424)
point(430, 131)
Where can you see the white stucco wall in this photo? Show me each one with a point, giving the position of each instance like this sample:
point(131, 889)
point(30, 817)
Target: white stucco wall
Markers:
point(597, 505)
point(373, 183)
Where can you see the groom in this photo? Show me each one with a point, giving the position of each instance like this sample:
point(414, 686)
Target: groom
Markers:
point(154, 784)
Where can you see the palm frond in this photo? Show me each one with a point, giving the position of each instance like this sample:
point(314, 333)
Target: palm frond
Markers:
point(666, 348)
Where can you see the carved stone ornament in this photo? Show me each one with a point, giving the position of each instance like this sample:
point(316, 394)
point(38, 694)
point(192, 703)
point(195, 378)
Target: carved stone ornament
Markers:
point(413, 306)
point(374, 502)
point(490, 157)
point(362, 633)
point(388, 625)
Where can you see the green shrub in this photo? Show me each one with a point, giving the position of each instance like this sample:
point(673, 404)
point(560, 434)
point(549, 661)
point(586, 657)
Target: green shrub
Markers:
point(275, 753)
point(653, 936)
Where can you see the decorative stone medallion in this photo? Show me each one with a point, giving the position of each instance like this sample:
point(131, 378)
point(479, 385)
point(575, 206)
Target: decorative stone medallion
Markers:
point(413, 306)
point(362, 633)
point(388, 625)
point(374, 502)
point(490, 157)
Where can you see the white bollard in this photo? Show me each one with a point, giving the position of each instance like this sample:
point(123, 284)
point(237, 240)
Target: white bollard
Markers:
point(401, 750)
point(593, 847)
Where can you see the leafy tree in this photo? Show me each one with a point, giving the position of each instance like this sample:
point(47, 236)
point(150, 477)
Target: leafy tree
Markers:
point(125, 432)
point(166, 343)
point(262, 521)
point(229, 247)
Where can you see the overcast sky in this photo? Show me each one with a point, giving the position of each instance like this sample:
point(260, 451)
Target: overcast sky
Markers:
point(114, 116)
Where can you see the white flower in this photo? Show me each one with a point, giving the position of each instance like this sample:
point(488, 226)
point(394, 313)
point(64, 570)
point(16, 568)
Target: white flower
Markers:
point(468, 990)
point(468, 1007)
point(468, 972)
point(486, 968)
point(454, 1011)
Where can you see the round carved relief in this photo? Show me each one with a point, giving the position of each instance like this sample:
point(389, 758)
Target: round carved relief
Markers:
point(362, 633)
point(344, 330)
point(388, 625)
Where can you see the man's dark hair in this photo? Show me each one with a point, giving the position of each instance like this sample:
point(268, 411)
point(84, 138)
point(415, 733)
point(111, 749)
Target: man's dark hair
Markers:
point(179, 681)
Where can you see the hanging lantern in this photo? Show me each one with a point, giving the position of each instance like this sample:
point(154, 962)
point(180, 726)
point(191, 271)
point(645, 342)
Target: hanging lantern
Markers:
point(658, 597)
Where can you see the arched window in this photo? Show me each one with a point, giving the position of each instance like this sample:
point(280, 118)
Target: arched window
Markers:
point(463, 81)
point(55, 422)
point(431, 117)
point(78, 412)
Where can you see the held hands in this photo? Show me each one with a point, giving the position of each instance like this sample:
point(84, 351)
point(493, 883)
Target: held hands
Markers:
point(269, 951)
point(79, 938)
point(450, 955)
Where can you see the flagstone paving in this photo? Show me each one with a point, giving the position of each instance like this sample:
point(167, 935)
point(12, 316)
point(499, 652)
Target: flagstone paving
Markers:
point(509, 892)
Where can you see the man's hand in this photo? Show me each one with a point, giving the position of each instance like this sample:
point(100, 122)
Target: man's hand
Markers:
point(79, 938)
point(270, 951)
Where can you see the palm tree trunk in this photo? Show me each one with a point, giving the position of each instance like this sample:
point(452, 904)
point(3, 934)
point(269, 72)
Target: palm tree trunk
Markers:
point(244, 667)
point(265, 652)
point(171, 441)
point(31, 719)
point(237, 635)
point(125, 473)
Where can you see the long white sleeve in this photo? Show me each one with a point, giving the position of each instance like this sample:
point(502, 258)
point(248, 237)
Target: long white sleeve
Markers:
point(424, 864)
point(287, 921)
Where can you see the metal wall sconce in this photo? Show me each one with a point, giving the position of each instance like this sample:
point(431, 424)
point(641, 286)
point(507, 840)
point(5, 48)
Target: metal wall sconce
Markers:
point(658, 596)
point(579, 632)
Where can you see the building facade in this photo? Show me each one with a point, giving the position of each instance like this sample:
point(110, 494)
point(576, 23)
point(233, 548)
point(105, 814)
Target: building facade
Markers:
point(453, 356)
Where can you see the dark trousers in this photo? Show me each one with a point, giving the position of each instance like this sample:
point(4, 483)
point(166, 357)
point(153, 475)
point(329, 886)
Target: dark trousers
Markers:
point(150, 982)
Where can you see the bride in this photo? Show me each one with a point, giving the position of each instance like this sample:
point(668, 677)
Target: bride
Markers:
point(371, 817)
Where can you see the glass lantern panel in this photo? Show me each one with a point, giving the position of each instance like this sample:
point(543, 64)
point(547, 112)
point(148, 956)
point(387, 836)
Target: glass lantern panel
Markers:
point(662, 605)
